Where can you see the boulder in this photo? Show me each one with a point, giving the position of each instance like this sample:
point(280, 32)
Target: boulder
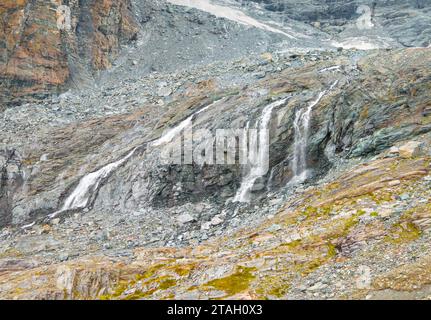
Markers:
point(185, 218)
point(411, 149)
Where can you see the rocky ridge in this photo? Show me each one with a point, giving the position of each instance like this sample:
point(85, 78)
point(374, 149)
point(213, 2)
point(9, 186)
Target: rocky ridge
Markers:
point(148, 230)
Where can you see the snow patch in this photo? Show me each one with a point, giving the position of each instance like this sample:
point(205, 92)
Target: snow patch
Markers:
point(228, 13)
point(361, 43)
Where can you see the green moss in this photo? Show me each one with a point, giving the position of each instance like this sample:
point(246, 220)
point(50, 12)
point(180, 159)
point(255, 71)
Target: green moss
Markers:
point(235, 283)
point(192, 288)
point(310, 211)
point(273, 286)
point(183, 270)
point(403, 232)
point(313, 212)
point(374, 214)
point(351, 222)
point(147, 278)
point(308, 267)
point(167, 283)
point(150, 272)
point(360, 212)
point(293, 244)
point(10, 253)
point(138, 295)
point(332, 251)
point(380, 196)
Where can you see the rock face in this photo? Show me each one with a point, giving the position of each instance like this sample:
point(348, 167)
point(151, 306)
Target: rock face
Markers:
point(405, 22)
point(49, 46)
point(324, 243)
point(82, 176)
point(331, 14)
point(11, 179)
point(358, 115)
point(411, 149)
point(46, 44)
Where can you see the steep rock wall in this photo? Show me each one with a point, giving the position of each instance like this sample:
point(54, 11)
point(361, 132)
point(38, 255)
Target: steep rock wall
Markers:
point(46, 45)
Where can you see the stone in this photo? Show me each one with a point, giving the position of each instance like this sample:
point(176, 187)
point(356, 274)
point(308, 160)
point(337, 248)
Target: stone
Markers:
point(64, 256)
point(394, 150)
point(217, 220)
point(267, 56)
point(385, 213)
point(394, 183)
point(404, 197)
point(206, 226)
point(185, 218)
point(164, 92)
point(411, 149)
point(318, 286)
point(274, 228)
point(38, 54)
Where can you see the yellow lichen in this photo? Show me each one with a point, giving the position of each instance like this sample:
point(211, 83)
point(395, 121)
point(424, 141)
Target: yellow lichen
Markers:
point(403, 232)
point(235, 283)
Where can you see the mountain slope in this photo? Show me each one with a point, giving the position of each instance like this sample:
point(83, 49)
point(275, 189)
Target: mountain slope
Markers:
point(90, 209)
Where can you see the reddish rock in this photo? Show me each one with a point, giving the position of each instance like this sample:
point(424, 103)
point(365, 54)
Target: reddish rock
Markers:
point(36, 56)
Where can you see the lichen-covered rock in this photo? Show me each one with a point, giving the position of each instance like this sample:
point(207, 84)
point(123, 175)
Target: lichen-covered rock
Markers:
point(411, 149)
point(39, 57)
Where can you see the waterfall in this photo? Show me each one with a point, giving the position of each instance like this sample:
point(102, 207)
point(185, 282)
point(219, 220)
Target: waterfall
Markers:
point(333, 68)
point(258, 163)
point(175, 131)
point(80, 197)
point(301, 127)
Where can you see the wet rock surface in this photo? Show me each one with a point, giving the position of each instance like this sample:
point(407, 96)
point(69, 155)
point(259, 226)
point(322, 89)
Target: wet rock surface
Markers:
point(88, 210)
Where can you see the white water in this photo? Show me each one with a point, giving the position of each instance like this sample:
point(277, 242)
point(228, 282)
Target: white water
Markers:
point(228, 13)
point(80, 197)
point(301, 126)
point(175, 131)
point(330, 69)
point(172, 133)
point(258, 167)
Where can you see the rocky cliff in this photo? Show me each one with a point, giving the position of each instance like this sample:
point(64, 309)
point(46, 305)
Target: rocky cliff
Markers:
point(46, 45)
point(89, 211)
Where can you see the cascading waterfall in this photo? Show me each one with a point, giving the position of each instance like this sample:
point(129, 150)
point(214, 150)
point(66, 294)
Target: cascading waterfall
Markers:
point(175, 131)
point(329, 69)
point(301, 126)
point(80, 197)
point(258, 167)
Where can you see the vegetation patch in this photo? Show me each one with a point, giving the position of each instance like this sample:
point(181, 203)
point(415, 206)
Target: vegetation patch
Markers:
point(235, 283)
point(403, 232)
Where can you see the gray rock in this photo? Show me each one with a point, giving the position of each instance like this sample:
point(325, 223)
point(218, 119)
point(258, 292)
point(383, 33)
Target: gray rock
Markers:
point(185, 218)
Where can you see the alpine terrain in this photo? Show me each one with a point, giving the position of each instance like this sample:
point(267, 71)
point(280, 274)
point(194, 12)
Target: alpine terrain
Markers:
point(215, 149)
